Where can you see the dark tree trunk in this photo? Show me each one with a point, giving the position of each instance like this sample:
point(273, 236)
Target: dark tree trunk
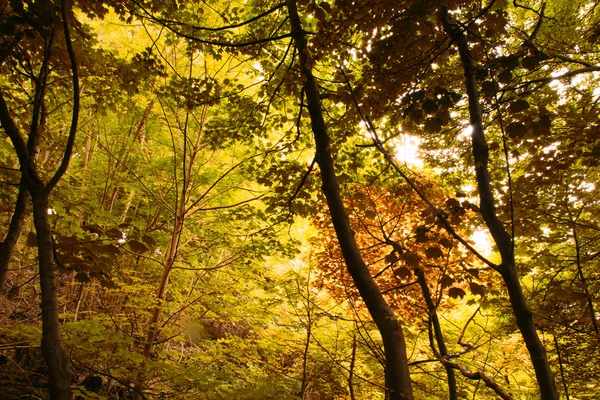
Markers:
point(437, 329)
point(14, 231)
point(59, 376)
point(524, 318)
point(397, 377)
point(503, 240)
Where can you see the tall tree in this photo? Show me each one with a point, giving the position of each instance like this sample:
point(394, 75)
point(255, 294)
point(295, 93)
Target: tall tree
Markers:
point(398, 384)
point(503, 240)
point(59, 380)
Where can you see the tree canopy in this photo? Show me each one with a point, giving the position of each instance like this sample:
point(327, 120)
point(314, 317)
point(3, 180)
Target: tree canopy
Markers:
point(299, 200)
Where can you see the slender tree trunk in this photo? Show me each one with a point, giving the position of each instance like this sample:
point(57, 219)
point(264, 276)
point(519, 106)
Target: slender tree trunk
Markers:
point(584, 281)
point(14, 231)
point(503, 240)
point(562, 370)
point(397, 377)
point(160, 294)
point(351, 369)
point(437, 329)
point(59, 376)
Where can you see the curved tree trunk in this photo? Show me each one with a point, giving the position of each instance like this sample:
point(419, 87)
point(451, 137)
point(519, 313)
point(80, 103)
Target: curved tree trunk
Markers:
point(502, 239)
point(14, 231)
point(397, 377)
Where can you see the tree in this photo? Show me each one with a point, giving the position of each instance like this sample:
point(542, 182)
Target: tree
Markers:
point(52, 345)
point(165, 250)
point(396, 369)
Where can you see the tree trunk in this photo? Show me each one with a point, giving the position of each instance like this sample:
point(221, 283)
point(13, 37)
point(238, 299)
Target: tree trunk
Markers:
point(397, 377)
point(59, 376)
point(524, 318)
point(437, 329)
point(14, 231)
point(503, 240)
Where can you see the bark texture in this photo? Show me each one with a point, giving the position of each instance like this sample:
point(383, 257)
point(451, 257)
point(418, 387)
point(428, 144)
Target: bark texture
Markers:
point(397, 375)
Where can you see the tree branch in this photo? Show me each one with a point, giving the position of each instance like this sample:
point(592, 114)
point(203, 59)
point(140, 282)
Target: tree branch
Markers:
point(76, 100)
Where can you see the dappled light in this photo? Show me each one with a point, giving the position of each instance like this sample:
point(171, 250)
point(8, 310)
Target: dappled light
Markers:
point(310, 199)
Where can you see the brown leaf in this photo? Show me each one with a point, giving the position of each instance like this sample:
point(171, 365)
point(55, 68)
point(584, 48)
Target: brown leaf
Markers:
point(109, 249)
point(391, 258)
point(31, 239)
point(530, 62)
point(82, 277)
point(509, 62)
point(402, 273)
point(320, 14)
point(519, 105)
point(489, 88)
point(446, 281)
point(149, 240)
point(93, 228)
point(455, 293)
point(430, 106)
point(114, 233)
point(516, 130)
point(434, 252)
point(433, 125)
point(445, 242)
point(505, 76)
point(477, 289)
point(412, 260)
point(474, 272)
point(137, 247)
point(325, 6)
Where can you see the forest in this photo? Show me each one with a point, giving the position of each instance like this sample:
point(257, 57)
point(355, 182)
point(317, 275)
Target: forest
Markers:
point(299, 199)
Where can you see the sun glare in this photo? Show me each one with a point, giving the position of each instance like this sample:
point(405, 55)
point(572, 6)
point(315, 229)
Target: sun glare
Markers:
point(407, 151)
point(466, 133)
point(483, 242)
